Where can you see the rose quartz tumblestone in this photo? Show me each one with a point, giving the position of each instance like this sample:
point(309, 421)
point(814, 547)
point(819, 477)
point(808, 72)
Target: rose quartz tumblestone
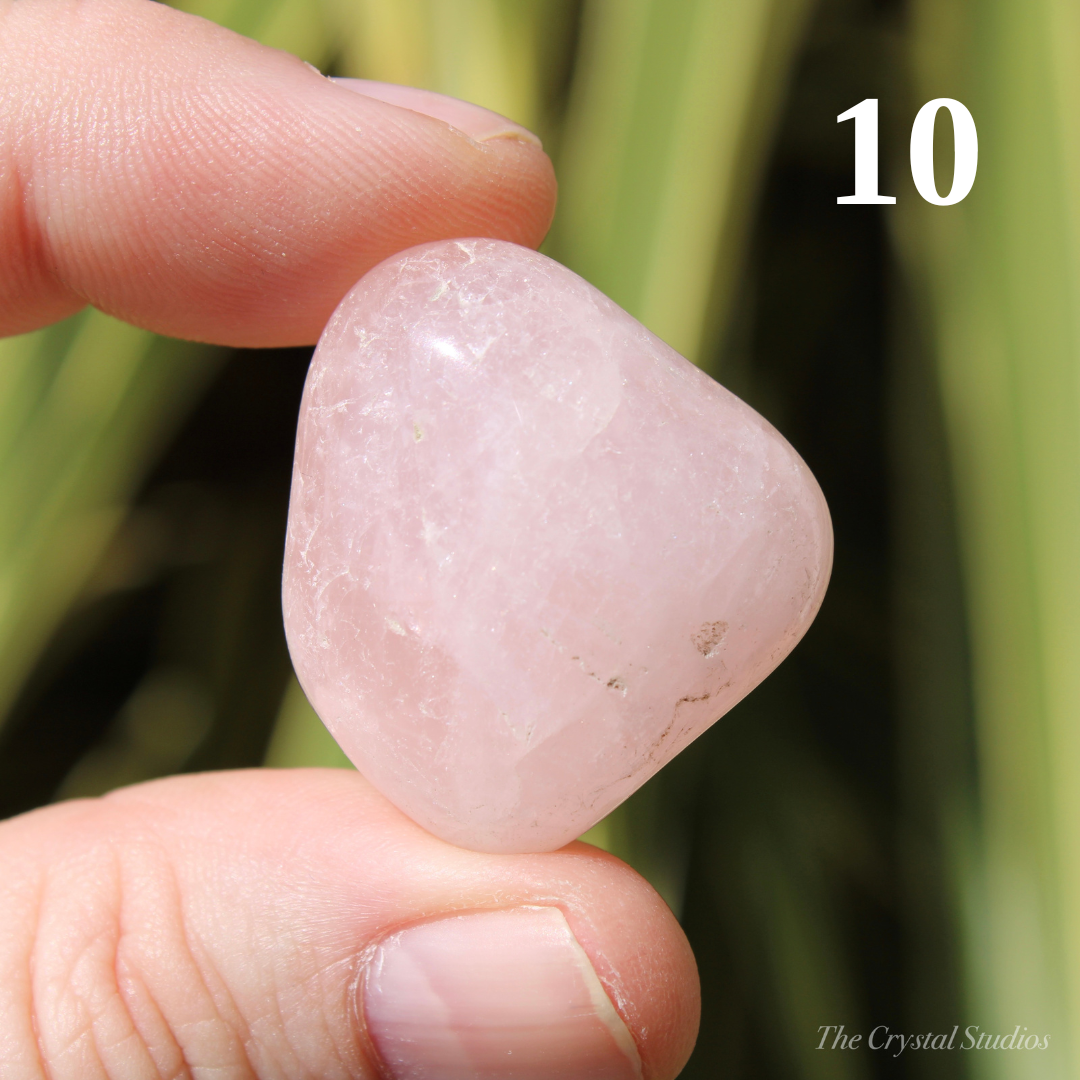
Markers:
point(532, 551)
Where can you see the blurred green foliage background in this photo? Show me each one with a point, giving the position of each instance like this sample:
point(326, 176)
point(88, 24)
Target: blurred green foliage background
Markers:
point(888, 830)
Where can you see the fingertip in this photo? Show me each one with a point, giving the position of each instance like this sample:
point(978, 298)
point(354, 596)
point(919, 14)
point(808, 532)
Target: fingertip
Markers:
point(483, 988)
point(480, 124)
point(643, 958)
point(633, 942)
point(197, 184)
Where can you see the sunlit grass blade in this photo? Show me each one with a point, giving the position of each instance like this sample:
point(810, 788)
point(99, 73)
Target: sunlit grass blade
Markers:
point(296, 26)
point(490, 52)
point(92, 403)
point(937, 848)
point(1001, 278)
point(671, 113)
point(299, 738)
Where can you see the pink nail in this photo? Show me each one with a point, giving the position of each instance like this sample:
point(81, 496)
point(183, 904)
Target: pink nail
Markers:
point(479, 124)
point(492, 995)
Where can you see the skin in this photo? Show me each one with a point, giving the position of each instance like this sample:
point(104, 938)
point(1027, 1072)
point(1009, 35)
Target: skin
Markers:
point(195, 183)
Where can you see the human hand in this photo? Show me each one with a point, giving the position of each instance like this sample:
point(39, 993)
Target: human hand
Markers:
point(279, 924)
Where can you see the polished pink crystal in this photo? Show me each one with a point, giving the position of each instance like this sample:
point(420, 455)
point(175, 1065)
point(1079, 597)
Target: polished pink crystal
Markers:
point(532, 551)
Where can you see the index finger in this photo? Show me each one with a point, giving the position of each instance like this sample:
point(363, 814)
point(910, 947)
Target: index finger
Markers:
point(195, 183)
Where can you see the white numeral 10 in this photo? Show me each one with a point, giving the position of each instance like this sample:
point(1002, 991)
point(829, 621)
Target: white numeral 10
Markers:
point(966, 153)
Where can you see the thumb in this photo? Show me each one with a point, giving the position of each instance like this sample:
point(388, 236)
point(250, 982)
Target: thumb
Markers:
point(193, 182)
point(294, 924)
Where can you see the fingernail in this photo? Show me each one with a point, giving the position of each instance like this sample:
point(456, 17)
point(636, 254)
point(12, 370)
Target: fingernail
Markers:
point(493, 995)
point(479, 124)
